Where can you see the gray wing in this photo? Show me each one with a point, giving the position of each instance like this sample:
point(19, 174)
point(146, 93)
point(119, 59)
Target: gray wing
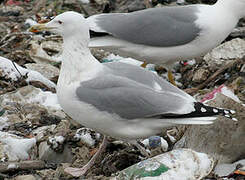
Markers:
point(163, 27)
point(129, 99)
point(143, 76)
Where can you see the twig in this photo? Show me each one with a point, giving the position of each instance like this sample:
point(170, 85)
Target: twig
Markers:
point(22, 165)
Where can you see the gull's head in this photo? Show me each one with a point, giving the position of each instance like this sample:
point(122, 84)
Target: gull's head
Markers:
point(66, 24)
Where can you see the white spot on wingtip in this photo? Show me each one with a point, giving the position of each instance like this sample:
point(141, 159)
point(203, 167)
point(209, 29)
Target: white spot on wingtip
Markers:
point(203, 109)
point(215, 110)
point(234, 119)
point(226, 112)
point(232, 111)
point(227, 116)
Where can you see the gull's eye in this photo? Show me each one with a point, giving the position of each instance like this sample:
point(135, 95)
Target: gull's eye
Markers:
point(60, 22)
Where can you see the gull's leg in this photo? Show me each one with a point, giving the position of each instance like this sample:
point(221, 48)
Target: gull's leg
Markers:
point(144, 64)
point(76, 172)
point(171, 78)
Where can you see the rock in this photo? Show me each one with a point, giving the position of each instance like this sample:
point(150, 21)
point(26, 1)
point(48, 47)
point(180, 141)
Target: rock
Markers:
point(50, 156)
point(25, 177)
point(200, 75)
point(47, 70)
point(227, 51)
point(222, 139)
point(222, 170)
point(178, 164)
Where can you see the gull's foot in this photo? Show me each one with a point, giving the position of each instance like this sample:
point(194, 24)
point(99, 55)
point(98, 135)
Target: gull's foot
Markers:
point(76, 172)
point(171, 78)
point(144, 64)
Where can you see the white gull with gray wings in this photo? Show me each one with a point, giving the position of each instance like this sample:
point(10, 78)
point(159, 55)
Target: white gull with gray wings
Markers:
point(120, 100)
point(165, 35)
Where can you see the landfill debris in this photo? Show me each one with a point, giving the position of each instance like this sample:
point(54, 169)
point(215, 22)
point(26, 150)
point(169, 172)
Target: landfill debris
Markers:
point(15, 72)
point(156, 145)
point(42, 140)
point(174, 165)
point(221, 137)
point(15, 148)
point(229, 50)
point(225, 170)
point(87, 136)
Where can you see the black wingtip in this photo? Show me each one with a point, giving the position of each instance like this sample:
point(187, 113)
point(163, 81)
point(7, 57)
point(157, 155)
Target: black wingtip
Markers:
point(201, 110)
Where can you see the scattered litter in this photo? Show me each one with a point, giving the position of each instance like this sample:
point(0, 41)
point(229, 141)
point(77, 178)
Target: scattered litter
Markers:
point(154, 142)
point(223, 90)
point(224, 170)
point(10, 71)
point(177, 164)
point(16, 148)
point(87, 136)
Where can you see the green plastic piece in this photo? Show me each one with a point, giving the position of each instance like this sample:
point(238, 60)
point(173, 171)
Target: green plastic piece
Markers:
point(2, 111)
point(147, 168)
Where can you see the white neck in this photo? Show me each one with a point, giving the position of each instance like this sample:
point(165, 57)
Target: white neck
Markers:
point(235, 7)
point(78, 64)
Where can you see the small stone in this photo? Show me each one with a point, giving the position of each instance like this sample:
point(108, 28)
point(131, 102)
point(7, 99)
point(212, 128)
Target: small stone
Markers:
point(25, 177)
point(200, 75)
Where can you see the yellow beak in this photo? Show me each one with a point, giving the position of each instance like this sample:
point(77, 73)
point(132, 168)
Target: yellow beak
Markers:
point(40, 27)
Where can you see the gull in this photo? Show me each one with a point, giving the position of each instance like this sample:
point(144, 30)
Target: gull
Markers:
point(120, 100)
point(166, 35)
